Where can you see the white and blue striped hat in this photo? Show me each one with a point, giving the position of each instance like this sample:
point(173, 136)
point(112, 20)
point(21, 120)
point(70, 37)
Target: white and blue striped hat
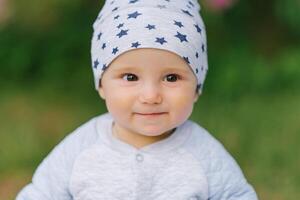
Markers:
point(173, 25)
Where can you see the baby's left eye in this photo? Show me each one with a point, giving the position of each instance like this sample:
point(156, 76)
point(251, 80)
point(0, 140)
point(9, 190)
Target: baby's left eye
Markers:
point(172, 77)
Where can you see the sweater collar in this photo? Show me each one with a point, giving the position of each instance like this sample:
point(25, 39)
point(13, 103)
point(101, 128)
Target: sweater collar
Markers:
point(104, 125)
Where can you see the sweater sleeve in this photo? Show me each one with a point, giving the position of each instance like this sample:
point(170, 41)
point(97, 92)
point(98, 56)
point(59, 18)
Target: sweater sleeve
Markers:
point(234, 184)
point(226, 180)
point(51, 179)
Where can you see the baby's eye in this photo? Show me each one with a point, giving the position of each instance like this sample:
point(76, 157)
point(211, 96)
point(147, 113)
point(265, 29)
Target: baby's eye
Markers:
point(129, 77)
point(172, 77)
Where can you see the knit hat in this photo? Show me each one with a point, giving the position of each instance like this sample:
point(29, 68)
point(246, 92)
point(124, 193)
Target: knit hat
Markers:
point(173, 25)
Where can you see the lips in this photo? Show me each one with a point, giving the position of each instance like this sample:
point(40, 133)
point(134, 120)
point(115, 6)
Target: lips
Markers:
point(151, 114)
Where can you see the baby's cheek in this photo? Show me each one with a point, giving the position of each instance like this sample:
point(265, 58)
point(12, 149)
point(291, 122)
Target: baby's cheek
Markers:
point(183, 107)
point(118, 102)
point(183, 98)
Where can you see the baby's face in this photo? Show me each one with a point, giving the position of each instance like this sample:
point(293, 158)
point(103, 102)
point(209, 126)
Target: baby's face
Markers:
point(149, 91)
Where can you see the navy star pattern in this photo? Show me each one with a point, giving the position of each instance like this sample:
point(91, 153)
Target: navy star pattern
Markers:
point(199, 86)
point(104, 67)
point(179, 24)
point(150, 26)
point(122, 33)
point(115, 50)
point(123, 30)
point(115, 9)
point(198, 28)
point(103, 45)
point(96, 63)
point(133, 1)
point(161, 40)
point(187, 12)
point(191, 4)
point(134, 15)
point(99, 35)
point(186, 59)
point(120, 25)
point(135, 44)
point(181, 37)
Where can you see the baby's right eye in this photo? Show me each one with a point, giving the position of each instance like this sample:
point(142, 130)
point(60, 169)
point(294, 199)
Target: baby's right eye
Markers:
point(129, 77)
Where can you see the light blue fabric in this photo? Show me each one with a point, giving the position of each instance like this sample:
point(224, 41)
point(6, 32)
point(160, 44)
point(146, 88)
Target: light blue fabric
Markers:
point(91, 164)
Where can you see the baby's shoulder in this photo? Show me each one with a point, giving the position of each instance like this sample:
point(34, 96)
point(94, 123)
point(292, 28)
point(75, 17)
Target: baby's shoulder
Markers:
point(224, 176)
point(84, 135)
point(200, 138)
point(207, 149)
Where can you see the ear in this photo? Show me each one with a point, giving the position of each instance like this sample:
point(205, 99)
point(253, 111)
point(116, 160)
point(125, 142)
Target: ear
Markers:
point(101, 92)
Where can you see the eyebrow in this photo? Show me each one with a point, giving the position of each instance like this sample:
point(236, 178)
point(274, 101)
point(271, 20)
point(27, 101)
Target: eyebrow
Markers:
point(166, 69)
point(126, 69)
point(185, 70)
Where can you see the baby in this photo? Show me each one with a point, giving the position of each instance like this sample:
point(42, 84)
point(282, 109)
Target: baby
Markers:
point(149, 61)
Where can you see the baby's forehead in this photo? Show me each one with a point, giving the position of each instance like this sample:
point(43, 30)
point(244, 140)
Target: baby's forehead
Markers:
point(149, 57)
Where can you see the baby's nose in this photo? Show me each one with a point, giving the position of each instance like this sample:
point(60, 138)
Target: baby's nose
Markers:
point(150, 93)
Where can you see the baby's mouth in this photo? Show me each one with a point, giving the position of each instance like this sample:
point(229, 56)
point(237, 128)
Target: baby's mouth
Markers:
point(152, 114)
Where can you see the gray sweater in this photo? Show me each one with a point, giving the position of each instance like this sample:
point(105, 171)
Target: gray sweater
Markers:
point(91, 164)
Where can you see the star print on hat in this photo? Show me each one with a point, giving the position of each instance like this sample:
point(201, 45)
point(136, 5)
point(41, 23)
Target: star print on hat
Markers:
point(173, 25)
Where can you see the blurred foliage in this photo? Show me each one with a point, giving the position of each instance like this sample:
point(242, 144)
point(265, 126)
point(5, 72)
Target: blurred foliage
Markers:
point(287, 12)
point(252, 47)
point(48, 43)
